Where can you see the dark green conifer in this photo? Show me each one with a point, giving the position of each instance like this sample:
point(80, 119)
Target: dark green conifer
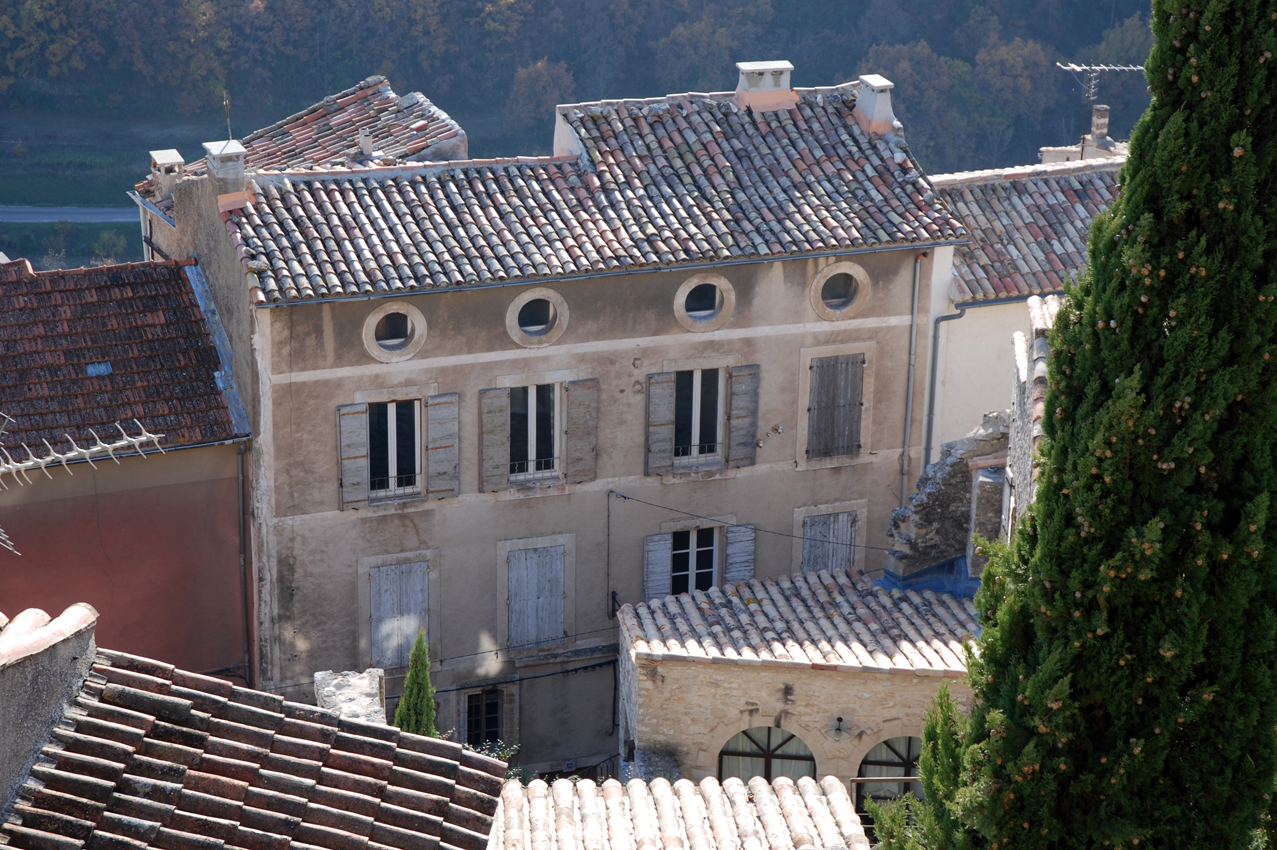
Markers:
point(1126, 690)
point(416, 711)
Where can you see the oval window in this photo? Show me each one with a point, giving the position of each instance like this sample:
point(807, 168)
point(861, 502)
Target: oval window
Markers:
point(704, 302)
point(394, 331)
point(839, 291)
point(537, 317)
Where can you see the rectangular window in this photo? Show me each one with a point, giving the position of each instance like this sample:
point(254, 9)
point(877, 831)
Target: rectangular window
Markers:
point(698, 416)
point(483, 717)
point(829, 541)
point(535, 586)
point(693, 559)
point(399, 597)
point(533, 440)
point(834, 405)
point(393, 449)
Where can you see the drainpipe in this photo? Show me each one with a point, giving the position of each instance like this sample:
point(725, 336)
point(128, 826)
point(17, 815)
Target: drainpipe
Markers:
point(913, 350)
point(243, 572)
point(935, 344)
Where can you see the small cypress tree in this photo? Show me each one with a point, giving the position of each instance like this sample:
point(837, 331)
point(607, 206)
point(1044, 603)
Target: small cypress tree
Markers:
point(416, 710)
point(1125, 684)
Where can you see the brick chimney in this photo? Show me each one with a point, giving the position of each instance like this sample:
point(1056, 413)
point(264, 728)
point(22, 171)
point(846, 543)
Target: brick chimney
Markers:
point(764, 86)
point(226, 166)
point(873, 106)
point(1100, 127)
point(166, 169)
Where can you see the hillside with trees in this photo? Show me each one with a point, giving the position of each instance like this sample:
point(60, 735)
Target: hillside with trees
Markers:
point(976, 84)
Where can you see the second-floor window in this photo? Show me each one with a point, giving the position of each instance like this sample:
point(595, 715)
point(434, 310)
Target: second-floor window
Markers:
point(697, 416)
point(532, 433)
point(693, 559)
point(483, 717)
point(393, 449)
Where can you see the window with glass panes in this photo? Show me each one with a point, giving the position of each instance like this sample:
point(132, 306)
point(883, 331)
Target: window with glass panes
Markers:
point(693, 559)
point(767, 752)
point(483, 717)
point(698, 415)
point(532, 435)
point(894, 759)
point(393, 449)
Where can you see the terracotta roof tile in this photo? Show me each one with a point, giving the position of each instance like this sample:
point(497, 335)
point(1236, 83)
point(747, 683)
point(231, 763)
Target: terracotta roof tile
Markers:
point(1028, 225)
point(134, 764)
point(733, 815)
point(141, 324)
point(675, 181)
point(837, 620)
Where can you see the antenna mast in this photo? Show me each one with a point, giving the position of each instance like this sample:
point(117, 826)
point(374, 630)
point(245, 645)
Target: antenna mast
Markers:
point(226, 102)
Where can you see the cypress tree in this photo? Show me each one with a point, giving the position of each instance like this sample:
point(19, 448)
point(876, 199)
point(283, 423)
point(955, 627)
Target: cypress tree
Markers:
point(416, 710)
point(1125, 691)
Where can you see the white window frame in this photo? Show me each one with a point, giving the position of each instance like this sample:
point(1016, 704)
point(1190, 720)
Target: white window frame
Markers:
point(696, 457)
point(556, 433)
point(716, 569)
point(395, 492)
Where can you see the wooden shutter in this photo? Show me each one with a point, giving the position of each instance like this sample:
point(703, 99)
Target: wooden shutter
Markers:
point(582, 432)
point(352, 449)
point(399, 602)
point(494, 441)
point(442, 449)
point(535, 584)
point(834, 405)
point(829, 542)
point(660, 424)
point(657, 549)
point(740, 554)
point(742, 421)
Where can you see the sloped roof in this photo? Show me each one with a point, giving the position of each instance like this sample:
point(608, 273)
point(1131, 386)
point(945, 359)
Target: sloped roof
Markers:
point(669, 182)
point(1028, 226)
point(139, 326)
point(733, 815)
point(327, 133)
point(152, 756)
point(824, 621)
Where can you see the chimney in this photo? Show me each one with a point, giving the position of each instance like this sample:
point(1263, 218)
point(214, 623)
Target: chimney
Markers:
point(365, 143)
point(1100, 127)
point(764, 86)
point(873, 106)
point(166, 170)
point(226, 166)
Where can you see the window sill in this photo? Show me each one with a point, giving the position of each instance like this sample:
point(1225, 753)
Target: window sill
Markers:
point(412, 496)
point(526, 479)
point(837, 460)
point(703, 473)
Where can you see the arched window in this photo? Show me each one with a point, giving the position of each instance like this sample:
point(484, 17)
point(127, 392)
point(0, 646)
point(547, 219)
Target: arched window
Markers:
point(893, 757)
point(767, 752)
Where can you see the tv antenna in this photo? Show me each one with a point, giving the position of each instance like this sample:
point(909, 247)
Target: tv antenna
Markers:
point(1092, 84)
point(226, 103)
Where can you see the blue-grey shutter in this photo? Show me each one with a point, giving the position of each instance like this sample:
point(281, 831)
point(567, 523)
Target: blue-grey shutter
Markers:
point(829, 542)
point(834, 405)
point(442, 449)
point(742, 420)
point(352, 450)
point(494, 440)
point(660, 424)
point(581, 441)
point(399, 604)
point(657, 562)
point(740, 554)
point(535, 586)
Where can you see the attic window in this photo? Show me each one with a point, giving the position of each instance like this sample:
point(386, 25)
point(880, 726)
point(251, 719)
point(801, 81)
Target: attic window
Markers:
point(704, 302)
point(97, 370)
point(839, 291)
point(394, 331)
point(536, 318)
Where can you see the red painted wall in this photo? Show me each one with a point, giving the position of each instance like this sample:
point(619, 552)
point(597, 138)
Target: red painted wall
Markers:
point(159, 563)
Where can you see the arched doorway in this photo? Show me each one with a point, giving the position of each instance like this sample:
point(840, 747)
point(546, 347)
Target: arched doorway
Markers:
point(767, 752)
point(894, 757)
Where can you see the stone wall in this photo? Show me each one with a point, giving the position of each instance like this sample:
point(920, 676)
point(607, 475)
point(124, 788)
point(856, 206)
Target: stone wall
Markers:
point(937, 522)
point(690, 709)
point(1028, 396)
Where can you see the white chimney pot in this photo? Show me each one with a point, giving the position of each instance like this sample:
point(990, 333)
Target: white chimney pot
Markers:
point(764, 86)
point(226, 165)
point(873, 105)
point(167, 167)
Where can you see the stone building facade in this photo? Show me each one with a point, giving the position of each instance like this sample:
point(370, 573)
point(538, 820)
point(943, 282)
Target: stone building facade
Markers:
point(497, 399)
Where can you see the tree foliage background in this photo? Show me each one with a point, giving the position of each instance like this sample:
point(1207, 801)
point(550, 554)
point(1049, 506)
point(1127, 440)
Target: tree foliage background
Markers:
point(976, 83)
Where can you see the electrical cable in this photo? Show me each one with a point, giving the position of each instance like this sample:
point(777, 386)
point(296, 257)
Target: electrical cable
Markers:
point(621, 495)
